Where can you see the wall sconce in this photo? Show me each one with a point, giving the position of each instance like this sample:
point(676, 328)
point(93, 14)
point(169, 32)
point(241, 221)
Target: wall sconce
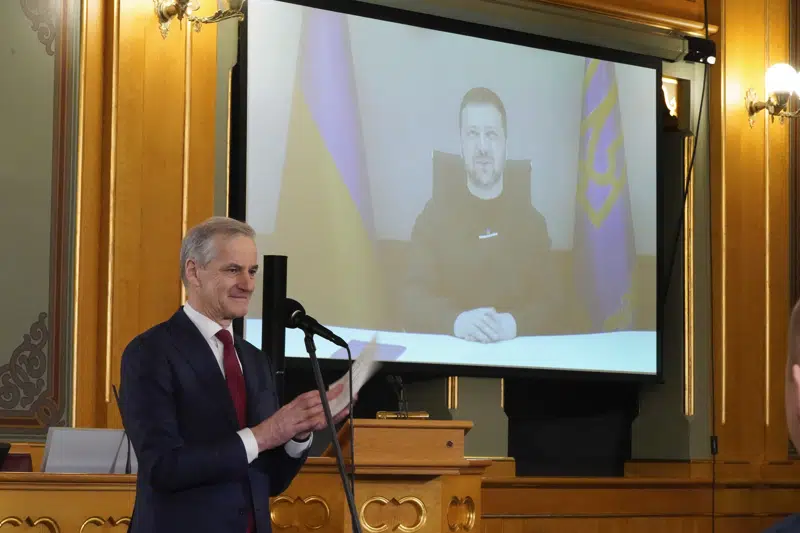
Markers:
point(166, 10)
point(780, 81)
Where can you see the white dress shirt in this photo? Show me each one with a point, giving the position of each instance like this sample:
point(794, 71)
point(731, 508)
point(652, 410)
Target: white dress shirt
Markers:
point(208, 328)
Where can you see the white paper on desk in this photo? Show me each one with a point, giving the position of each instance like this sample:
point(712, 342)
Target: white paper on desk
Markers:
point(364, 367)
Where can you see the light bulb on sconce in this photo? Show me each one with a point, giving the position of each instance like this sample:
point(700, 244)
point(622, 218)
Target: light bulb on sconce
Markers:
point(166, 10)
point(780, 81)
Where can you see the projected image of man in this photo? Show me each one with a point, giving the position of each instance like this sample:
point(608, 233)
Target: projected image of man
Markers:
point(480, 252)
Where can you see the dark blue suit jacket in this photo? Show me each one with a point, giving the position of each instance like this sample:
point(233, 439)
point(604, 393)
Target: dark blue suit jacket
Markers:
point(193, 470)
point(790, 524)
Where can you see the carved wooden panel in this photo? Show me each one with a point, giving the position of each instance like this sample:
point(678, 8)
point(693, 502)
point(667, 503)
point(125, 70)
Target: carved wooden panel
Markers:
point(34, 376)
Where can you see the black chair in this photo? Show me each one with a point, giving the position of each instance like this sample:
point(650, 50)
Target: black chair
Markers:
point(4, 449)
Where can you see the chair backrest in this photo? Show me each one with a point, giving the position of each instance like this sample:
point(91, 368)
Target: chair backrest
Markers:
point(17, 462)
point(448, 176)
point(4, 449)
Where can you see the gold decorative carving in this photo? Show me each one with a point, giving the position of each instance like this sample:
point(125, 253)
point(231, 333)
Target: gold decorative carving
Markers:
point(40, 13)
point(99, 522)
point(396, 523)
point(461, 514)
point(22, 380)
point(299, 518)
point(45, 521)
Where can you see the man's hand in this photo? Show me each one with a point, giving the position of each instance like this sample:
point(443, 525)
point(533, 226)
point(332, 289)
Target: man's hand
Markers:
point(485, 325)
point(299, 418)
point(508, 326)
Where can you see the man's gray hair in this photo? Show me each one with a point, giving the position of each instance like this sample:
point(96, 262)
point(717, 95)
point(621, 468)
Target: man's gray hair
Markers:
point(198, 244)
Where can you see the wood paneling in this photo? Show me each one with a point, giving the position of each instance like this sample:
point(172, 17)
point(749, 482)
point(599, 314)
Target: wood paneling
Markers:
point(313, 502)
point(147, 172)
point(633, 506)
point(777, 237)
point(86, 382)
point(682, 15)
point(749, 210)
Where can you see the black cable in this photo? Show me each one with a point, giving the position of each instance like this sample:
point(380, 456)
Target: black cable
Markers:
point(687, 188)
point(714, 444)
point(352, 430)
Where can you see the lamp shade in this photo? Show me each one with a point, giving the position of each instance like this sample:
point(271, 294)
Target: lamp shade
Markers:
point(781, 78)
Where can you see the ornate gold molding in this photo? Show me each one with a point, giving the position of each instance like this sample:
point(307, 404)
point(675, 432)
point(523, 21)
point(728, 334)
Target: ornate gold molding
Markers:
point(40, 13)
point(688, 286)
point(99, 522)
point(24, 385)
point(397, 524)
point(299, 519)
point(45, 521)
point(461, 514)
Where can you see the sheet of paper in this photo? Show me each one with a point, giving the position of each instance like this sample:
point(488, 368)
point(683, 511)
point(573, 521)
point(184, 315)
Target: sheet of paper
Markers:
point(364, 367)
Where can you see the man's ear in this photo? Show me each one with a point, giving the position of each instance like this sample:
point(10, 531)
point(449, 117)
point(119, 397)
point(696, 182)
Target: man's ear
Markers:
point(191, 271)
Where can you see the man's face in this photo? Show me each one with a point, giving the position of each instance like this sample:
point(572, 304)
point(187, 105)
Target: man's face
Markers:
point(483, 144)
point(224, 286)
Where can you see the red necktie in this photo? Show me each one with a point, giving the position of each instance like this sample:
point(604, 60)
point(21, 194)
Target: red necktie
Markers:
point(235, 380)
point(234, 377)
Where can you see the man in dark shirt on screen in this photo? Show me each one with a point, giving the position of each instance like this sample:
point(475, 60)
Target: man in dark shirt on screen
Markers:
point(479, 265)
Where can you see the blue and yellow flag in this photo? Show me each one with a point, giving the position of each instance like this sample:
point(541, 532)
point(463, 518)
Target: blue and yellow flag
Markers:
point(325, 218)
point(604, 246)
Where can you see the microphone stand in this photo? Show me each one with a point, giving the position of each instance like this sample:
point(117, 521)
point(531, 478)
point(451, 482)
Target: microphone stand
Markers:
point(403, 400)
point(348, 489)
point(124, 433)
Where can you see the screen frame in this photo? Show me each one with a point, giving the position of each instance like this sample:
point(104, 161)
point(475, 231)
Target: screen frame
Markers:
point(237, 176)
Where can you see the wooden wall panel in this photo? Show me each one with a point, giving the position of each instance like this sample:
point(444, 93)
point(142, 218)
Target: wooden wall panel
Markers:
point(201, 130)
point(633, 506)
point(86, 382)
point(749, 176)
point(777, 237)
point(683, 15)
point(155, 176)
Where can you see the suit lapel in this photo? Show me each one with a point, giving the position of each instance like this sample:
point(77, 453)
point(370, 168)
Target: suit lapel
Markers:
point(195, 351)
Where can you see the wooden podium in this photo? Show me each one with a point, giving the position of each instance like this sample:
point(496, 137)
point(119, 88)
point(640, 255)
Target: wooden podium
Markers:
point(411, 476)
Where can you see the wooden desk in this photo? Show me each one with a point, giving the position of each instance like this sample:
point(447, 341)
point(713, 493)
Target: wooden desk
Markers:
point(65, 502)
point(635, 505)
point(420, 497)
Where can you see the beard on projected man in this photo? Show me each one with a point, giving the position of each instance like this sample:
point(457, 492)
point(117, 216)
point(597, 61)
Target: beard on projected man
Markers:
point(478, 266)
point(483, 149)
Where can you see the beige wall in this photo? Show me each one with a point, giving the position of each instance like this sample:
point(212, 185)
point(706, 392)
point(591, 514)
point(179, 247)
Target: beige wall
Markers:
point(26, 140)
point(27, 95)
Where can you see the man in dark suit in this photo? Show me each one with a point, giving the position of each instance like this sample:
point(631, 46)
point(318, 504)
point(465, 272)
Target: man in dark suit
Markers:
point(199, 403)
point(792, 404)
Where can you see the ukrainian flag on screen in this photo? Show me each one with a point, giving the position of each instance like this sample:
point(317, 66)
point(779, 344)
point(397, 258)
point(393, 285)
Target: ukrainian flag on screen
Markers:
point(604, 248)
point(325, 217)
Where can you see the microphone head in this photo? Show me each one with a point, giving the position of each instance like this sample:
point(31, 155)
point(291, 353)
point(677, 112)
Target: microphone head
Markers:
point(293, 310)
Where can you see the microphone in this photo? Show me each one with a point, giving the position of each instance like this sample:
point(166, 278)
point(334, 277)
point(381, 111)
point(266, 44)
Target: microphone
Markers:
point(124, 433)
point(296, 317)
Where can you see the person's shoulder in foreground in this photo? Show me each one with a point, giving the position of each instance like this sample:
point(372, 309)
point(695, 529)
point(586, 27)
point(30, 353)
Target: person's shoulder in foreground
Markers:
point(790, 524)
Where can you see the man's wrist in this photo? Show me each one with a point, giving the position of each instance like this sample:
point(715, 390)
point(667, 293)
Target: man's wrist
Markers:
point(263, 437)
